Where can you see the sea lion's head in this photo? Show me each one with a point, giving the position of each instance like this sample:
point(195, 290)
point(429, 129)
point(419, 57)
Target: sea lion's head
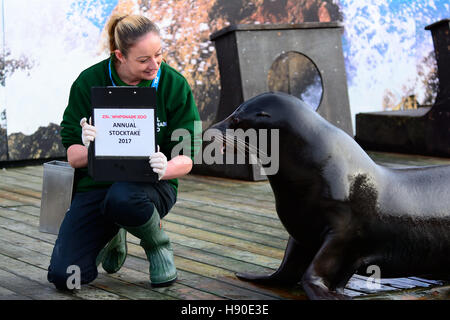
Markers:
point(271, 110)
point(277, 115)
point(265, 111)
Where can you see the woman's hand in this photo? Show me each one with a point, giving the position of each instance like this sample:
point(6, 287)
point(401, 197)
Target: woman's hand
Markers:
point(175, 168)
point(158, 161)
point(88, 132)
point(77, 154)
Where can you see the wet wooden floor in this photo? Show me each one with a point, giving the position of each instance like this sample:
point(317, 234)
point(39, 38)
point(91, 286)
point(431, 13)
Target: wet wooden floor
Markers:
point(218, 227)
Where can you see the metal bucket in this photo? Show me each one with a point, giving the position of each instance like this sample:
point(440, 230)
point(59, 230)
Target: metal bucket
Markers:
point(57, 186)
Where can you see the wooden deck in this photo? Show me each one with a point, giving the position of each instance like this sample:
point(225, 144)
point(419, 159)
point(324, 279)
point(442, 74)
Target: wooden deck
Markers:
point(218, 227)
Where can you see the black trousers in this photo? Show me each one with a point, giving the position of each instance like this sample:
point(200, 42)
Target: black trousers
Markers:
point(93, 219)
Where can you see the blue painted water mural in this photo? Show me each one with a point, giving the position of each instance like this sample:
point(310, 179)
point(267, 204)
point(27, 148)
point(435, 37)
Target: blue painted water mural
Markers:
point(384, 45)
point(97, 11)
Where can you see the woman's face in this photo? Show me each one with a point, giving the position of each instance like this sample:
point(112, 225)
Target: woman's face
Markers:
point(143, 59)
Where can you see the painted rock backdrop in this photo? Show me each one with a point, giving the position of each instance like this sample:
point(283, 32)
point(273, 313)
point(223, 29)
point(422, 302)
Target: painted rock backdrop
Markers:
point(46, 44)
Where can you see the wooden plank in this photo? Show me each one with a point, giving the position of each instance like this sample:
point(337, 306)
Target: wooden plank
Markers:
point(240, 199)
point(39, 275)
point(12, 181)
point(33, 257)
point(21, 240)
point(8, 203)
point(143, 256)
point(248, 260)
point(29, 221)
point(355, 283)
point(210, 210)
point(214, 272)
point(36, 171)
point(258, 190)
point(182, 291)
point(226, 263)
point(199, 267)
point(239, 194)
point(213, 217)
point(30, 231)
point(212, 199)
point(224, 205)
point(129, 290)
point(6, 294)
point(20, 190)
point(116, 286)
point(21, 177)
point(221, 239)
point(212, 285)
point(31, 210)
point(194, 233)
point(25, 229)
point(222, 182)
point(177, 290)
point(213, 254)
point(28, 288)
point(194, 243)
point(18, 216)
point(238, 190)
point(267, 209)
point(20, 198)
point(253, 237)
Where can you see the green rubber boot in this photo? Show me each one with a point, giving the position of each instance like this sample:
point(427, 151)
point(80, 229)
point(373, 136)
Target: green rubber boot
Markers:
point(113, 255)
point(159, 252)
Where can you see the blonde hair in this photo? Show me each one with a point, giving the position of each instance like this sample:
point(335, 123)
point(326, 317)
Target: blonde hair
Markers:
point(125, 30)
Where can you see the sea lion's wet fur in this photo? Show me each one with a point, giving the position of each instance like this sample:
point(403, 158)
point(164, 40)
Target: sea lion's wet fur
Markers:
point(342, 211)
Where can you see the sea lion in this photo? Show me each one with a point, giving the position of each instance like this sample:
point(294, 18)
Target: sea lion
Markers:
point(342, 211)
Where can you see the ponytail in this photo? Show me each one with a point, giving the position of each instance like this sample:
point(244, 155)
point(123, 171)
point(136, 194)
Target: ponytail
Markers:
point(112, 24)
point(125, 30)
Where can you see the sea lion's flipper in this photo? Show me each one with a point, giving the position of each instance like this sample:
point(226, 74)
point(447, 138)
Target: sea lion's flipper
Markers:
point(330, 270)
point(296, 260)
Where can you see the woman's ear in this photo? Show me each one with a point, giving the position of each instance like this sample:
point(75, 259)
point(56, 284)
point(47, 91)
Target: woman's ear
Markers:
point(119, 56)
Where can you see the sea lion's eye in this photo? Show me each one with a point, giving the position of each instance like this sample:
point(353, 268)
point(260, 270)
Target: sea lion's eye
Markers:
point(263, 114)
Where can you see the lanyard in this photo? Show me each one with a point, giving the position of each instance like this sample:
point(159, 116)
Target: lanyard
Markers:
point(155, 81)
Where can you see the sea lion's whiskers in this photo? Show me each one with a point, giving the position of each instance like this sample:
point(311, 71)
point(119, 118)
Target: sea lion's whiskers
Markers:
point(230, 142)
point(251, 148)
point(241, 146)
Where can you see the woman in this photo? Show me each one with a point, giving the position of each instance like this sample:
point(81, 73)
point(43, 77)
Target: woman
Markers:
point(101, 212)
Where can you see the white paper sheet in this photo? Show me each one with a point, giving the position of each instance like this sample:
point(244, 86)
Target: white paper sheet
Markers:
point(124, 132)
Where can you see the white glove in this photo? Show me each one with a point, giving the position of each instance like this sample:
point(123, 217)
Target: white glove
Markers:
point(158, 161)
point(88, 132)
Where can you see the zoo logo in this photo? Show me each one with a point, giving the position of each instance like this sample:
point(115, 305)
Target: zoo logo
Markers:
point(160, 124)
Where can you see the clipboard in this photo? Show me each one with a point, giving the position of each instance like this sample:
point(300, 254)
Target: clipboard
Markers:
point(125, 119)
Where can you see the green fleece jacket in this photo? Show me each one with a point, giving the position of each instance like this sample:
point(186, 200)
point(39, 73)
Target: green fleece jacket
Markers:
point(175, 104)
